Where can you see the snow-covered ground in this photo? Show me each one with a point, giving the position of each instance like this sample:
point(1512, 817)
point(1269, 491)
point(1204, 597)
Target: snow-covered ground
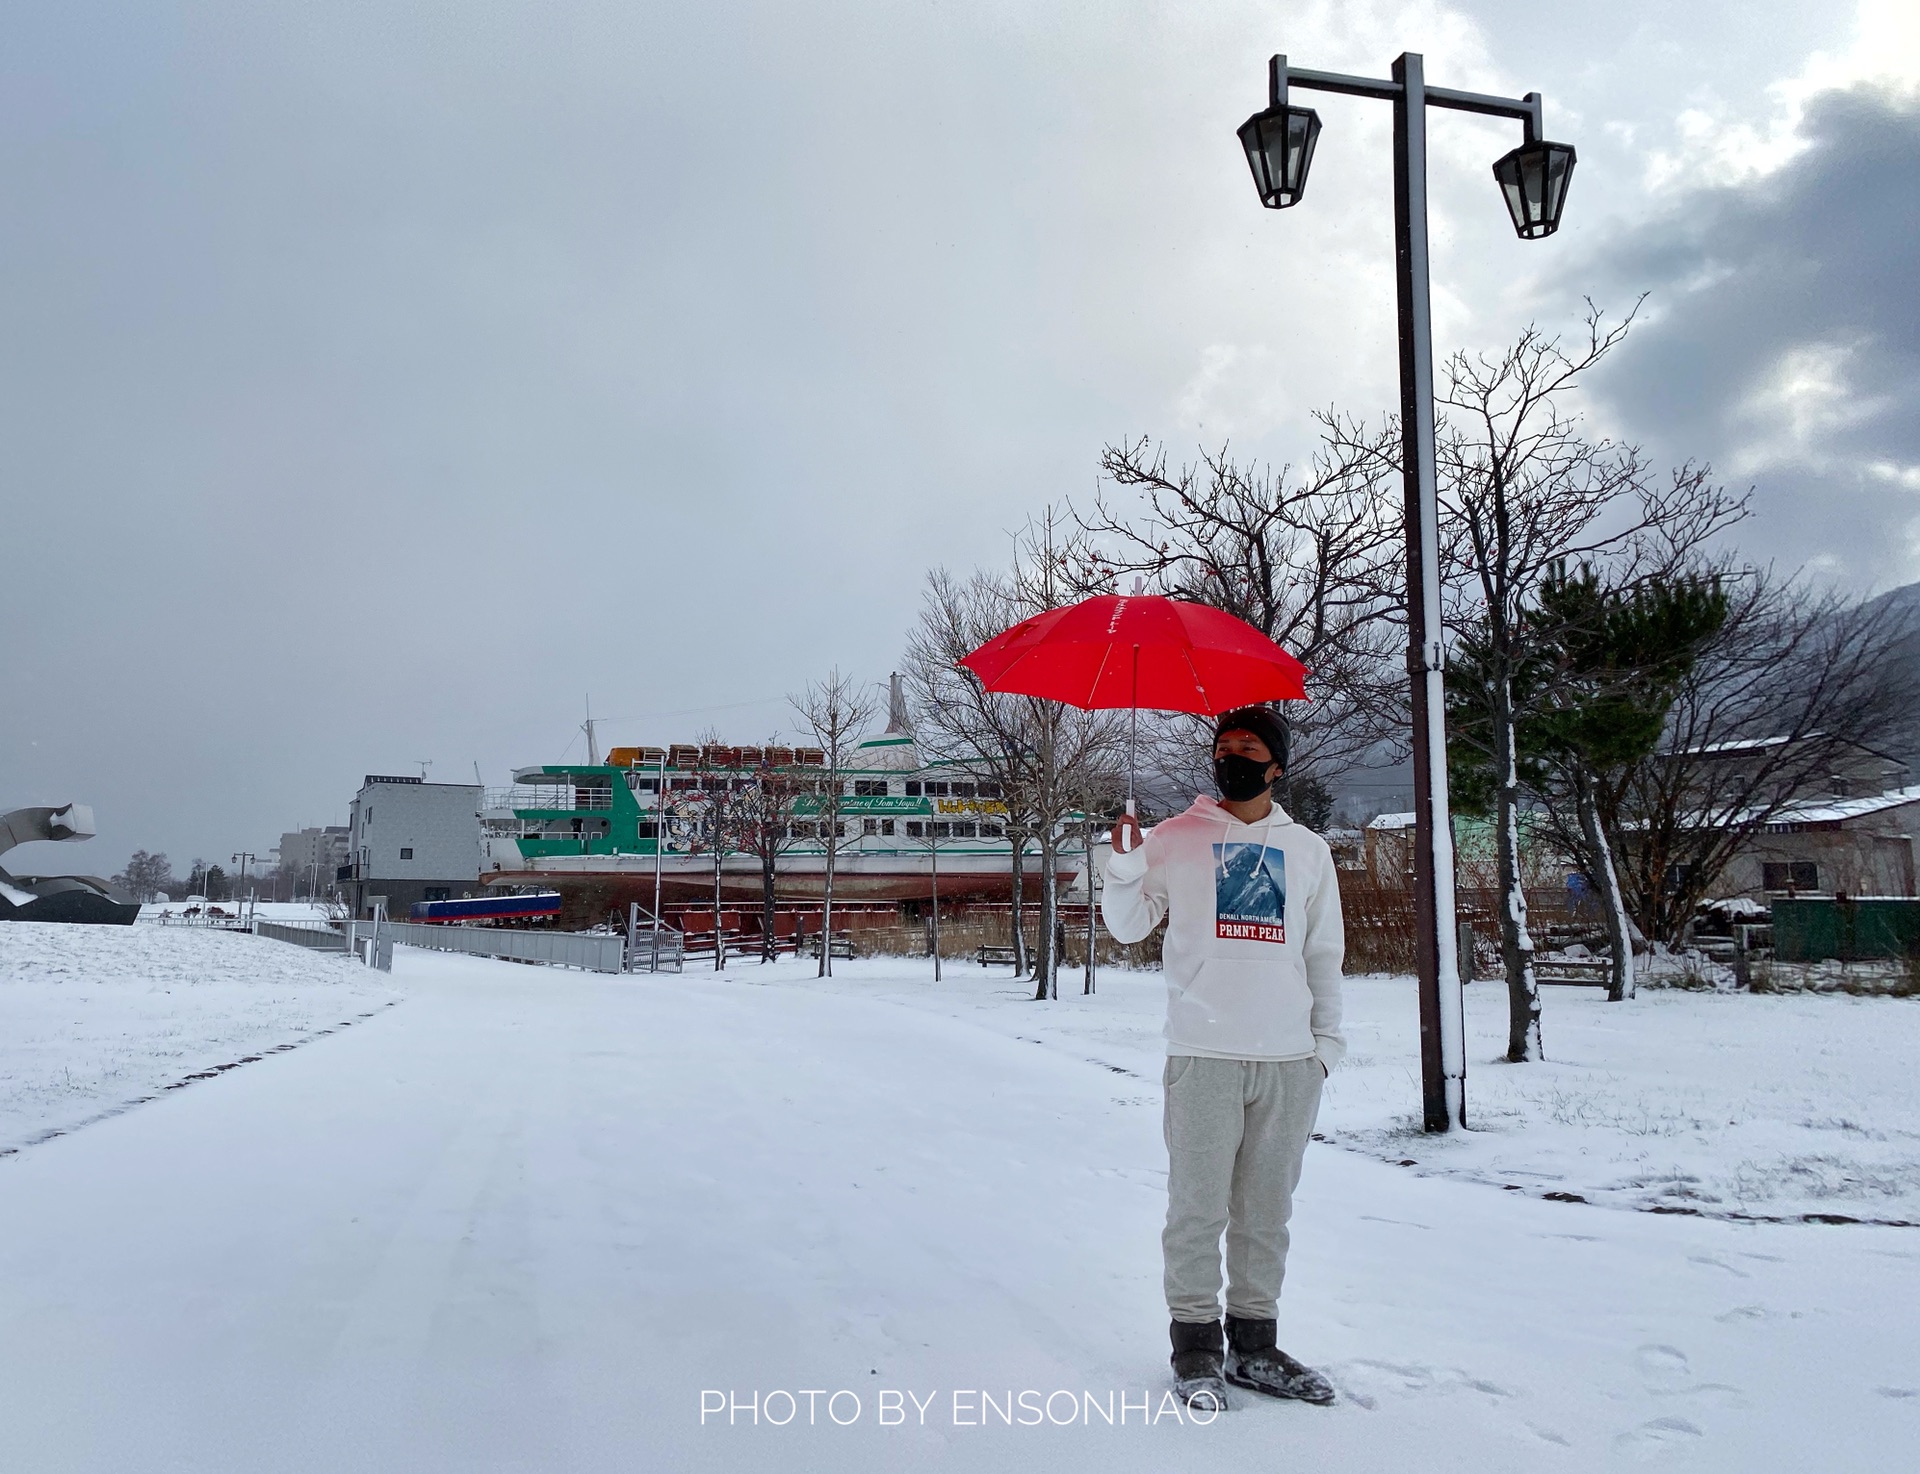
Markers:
point(171, 911)
point(1722, 1103)
point(96, 1018)
point(538, 1220)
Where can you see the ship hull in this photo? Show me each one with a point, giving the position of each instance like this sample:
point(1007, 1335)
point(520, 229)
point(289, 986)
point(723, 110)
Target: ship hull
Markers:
point(856, 878)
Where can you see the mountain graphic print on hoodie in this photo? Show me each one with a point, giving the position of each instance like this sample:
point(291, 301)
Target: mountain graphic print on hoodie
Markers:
point(1254, 942)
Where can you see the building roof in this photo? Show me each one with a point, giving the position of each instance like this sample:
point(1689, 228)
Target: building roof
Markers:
point(1838, 810)
point(1391, 821)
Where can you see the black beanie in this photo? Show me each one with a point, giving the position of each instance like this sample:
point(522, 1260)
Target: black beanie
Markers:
point(1263, 722)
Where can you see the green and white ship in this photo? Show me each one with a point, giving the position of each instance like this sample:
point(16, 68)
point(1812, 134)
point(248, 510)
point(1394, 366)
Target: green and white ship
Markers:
point(608, 832)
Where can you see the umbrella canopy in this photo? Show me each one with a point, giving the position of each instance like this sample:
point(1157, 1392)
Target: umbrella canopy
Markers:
point(1121, 650)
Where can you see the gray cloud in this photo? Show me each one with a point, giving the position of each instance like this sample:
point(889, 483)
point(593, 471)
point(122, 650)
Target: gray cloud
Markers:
point(377, 380)
point(1784, 343)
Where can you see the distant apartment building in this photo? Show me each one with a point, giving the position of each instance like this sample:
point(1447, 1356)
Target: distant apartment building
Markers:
point(313, 857)
point(409, 840)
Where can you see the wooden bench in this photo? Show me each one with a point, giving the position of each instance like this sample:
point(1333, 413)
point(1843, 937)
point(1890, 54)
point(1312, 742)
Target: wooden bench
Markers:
point(1576, 972)
point(990, 956)
point(842, 944)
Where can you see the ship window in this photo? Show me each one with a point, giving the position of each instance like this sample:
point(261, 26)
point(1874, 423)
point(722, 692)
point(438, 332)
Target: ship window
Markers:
point(965, 790)
point(407, 854)
point(989, 790)
point(942, 830)
point(436, 893)
point(870, 788)
point(913, 788)
point(963, 831)
point(869, 826)
point(637, 784)
point(682, 785)
point(647, 829)
point(936, 790)
point(915, 829)
point(886, 826)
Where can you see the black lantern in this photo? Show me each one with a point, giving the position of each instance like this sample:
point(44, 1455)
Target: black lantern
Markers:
point(1279, 144)
point(1534, 179)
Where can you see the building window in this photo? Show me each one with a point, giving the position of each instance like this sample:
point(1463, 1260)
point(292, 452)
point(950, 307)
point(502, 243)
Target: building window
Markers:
point(936, 790)
point(965, 790)
point(407, 854)
point(869, 826)
point(913, 788)
point(870, 788)
point(990, 790)
point(1789, 875)
point(915, 829)
point(886, 826)
point(436, 893)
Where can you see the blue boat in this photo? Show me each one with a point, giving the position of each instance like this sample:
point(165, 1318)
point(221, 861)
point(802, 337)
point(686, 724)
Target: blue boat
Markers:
point(490, 908)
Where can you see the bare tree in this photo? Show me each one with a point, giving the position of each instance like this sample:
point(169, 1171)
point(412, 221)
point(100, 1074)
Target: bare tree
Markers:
point(835, 711)
point(1524, 490)
point(147, 875)
point(1795, 685)
point(1043, 755)
point(957, 720)
point(719, 829)
point(764, 814)
point(1310, 560)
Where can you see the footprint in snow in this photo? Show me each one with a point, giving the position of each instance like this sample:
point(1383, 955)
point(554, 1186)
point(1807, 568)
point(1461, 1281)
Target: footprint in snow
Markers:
point(1387, 1376)
point(1661, 1436)
point(1898, 1391)
point(1662, 1368)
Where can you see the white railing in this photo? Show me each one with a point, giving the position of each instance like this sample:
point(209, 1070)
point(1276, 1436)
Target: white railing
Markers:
point(592, 951)
point(319, 935)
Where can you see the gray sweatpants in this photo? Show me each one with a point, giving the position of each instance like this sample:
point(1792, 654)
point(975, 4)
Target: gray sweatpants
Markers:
point(1236, 1132)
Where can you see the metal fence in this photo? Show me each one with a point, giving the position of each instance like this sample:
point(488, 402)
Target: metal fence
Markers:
point(593, 951)
point(319, 935)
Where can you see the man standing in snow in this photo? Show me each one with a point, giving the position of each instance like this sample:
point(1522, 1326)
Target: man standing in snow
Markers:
point(1253, 953)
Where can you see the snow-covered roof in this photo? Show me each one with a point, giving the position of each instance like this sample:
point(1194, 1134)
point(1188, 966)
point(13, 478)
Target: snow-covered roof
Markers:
point(1834, 810)
point(1391, 821)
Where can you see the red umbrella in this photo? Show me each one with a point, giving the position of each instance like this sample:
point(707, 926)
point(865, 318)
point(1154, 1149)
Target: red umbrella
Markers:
point(1134, 650)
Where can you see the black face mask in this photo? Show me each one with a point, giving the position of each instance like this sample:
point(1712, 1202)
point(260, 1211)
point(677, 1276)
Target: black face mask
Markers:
point(1240, 778)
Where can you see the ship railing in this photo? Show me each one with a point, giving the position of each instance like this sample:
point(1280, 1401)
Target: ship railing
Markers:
point(567, 796)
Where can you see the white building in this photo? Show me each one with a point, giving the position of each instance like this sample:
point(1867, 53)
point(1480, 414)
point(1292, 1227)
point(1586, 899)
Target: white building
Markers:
point(409, 840)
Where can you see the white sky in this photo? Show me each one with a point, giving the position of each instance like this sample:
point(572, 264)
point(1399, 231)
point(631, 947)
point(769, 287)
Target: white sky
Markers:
point(381, 380)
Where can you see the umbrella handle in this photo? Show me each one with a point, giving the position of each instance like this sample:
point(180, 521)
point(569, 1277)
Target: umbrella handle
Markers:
point(1126, 835)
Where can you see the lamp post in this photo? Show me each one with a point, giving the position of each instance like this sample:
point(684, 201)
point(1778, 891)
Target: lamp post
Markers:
point(243, 859)
point(1533, 180)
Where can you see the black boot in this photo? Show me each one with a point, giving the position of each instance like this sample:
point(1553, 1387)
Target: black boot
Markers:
point(1196, 1366)
point(1253, 1360)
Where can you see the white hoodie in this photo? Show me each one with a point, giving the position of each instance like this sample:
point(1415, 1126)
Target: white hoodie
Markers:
point(1255, 941)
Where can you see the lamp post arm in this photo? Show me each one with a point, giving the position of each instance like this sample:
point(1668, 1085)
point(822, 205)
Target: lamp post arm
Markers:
point(1527, 109)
